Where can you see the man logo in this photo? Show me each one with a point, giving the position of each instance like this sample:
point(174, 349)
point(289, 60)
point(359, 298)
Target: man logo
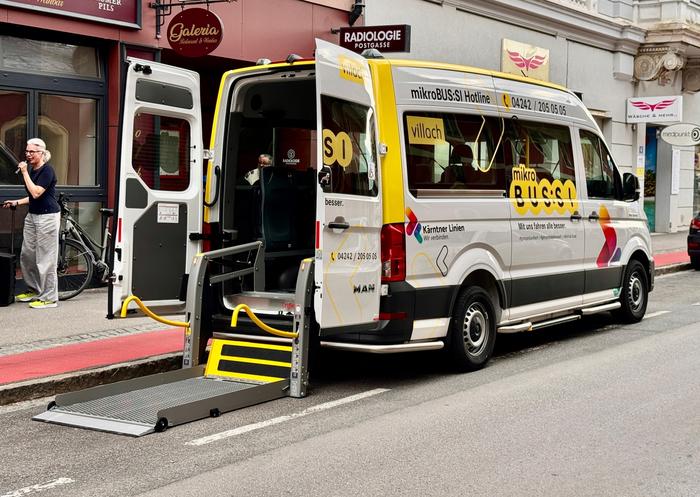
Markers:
point(363, 289)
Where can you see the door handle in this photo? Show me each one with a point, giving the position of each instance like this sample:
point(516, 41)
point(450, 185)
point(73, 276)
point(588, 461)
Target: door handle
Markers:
point(593, 216)
point(575, 216)
point(335, 225)
point(339, 223)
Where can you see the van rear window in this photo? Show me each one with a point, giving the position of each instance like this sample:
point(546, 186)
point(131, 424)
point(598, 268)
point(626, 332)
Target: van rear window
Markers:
point(161, 151)
point(349, 147)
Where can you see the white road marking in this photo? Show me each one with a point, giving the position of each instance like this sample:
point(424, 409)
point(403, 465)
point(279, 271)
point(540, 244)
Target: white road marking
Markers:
point(696, 303)
point(39, 487)
point(654, 314)
point(281, 419)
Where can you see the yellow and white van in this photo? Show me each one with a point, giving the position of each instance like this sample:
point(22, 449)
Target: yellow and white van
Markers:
point(440, 204)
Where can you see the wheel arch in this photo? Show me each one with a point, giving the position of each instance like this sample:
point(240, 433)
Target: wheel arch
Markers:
point(488, 281)
point(643, 258)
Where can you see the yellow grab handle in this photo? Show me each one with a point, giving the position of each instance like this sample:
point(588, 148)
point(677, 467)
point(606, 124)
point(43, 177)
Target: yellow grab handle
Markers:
point(150, 313)
point(261, 325)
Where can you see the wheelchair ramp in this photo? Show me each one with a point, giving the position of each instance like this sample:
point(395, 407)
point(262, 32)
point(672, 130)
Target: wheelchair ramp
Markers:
point(238, 374)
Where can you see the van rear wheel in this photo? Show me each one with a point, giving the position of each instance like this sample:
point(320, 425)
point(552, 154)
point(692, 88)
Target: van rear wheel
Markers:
point(635, 293)
point(472, 330)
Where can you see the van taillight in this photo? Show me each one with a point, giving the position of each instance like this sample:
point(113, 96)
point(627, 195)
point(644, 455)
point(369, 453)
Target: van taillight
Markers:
point(393, 252)
point(695, 223)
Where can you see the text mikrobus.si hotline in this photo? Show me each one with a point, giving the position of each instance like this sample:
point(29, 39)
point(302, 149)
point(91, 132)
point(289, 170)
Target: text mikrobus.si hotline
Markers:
point(451, 95)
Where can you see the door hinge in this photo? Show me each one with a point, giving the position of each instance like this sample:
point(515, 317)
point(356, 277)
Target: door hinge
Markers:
point(207, 154)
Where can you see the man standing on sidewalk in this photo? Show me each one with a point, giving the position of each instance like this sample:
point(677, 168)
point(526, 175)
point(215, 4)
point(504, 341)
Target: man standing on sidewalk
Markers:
point(40, 236)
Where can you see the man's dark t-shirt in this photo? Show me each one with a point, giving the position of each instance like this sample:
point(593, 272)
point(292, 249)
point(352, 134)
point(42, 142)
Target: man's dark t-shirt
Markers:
point(44, 177)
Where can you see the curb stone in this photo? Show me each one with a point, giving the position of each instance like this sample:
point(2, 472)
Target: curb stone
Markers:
point(79, 380)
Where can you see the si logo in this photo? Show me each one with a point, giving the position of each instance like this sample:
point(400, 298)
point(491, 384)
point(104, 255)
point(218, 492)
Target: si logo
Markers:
point(336, 148)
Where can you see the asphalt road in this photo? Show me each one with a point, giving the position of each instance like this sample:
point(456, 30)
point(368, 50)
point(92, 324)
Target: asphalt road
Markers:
point(589, 409)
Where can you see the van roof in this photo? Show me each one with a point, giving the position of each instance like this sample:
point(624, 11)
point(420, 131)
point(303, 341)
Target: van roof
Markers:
point(415, 64)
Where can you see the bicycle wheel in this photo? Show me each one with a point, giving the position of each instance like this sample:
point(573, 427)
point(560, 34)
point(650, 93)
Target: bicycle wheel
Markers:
point(74, 269)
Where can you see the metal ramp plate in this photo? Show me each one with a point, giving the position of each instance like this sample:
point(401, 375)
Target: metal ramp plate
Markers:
point(137, 412)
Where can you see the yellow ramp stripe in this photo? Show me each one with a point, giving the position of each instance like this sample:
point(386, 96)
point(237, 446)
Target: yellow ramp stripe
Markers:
point(254, 345)
point(250, 360)
point(245, 376)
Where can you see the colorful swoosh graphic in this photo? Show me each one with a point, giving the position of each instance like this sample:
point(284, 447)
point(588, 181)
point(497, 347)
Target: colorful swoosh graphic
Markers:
point(610, 251)
point(413, 227)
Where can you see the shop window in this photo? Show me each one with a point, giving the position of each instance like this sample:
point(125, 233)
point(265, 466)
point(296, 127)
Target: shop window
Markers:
point(601, 177)
point(68, 125)
point(349, 147)
point(43, 57)
point(453, 151)
point(161, 151)
point(13, 134)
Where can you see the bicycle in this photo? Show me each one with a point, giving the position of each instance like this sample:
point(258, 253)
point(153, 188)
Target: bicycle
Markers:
point(79, 256)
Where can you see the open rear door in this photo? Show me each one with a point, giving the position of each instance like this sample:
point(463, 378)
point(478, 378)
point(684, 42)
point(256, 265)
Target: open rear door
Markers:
point(160, 184)
point(348, 267)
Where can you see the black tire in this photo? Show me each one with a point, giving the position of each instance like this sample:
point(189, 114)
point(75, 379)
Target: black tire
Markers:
point(472, 330)
point(695, 262)
point(635, 293)
point(74, 269)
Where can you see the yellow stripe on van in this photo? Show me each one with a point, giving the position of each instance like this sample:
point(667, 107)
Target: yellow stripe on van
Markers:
point(388, 125)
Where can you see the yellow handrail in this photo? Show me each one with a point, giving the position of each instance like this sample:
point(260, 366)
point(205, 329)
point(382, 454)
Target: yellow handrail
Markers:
point(261, 325)
point(150, 313)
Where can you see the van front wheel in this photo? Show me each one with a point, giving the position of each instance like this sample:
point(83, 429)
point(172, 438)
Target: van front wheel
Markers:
point(635, 293)
point(472, 330)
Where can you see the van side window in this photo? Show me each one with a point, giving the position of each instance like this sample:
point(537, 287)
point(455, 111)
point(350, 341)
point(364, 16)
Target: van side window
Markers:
point(161, 152)
point(453, 151)
point(349, 148)
point(545, 148)
point(602, 180)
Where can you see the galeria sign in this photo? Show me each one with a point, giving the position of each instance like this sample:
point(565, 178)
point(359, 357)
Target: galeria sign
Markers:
point(682, 134)
point(195, 32)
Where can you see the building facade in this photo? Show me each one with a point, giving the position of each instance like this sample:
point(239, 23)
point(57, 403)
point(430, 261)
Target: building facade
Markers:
point(60, 65)
point(607, 51)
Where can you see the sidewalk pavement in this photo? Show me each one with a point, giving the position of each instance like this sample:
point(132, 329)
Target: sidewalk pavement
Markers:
point(50, 351)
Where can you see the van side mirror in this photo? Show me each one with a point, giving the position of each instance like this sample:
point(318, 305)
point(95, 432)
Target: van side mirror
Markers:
point(630, 187)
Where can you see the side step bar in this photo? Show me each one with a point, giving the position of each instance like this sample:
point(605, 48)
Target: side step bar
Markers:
point(384, 349)
point(529, 326)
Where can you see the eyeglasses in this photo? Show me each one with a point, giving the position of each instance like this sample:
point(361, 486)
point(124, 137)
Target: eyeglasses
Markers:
point(32, 151)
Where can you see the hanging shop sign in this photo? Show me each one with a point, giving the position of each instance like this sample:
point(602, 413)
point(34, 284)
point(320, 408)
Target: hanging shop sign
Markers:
point(390, 38)
point(525, 60)
point(121, 12)
point(195, 32)
point(654, 109)
point(682, 134)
